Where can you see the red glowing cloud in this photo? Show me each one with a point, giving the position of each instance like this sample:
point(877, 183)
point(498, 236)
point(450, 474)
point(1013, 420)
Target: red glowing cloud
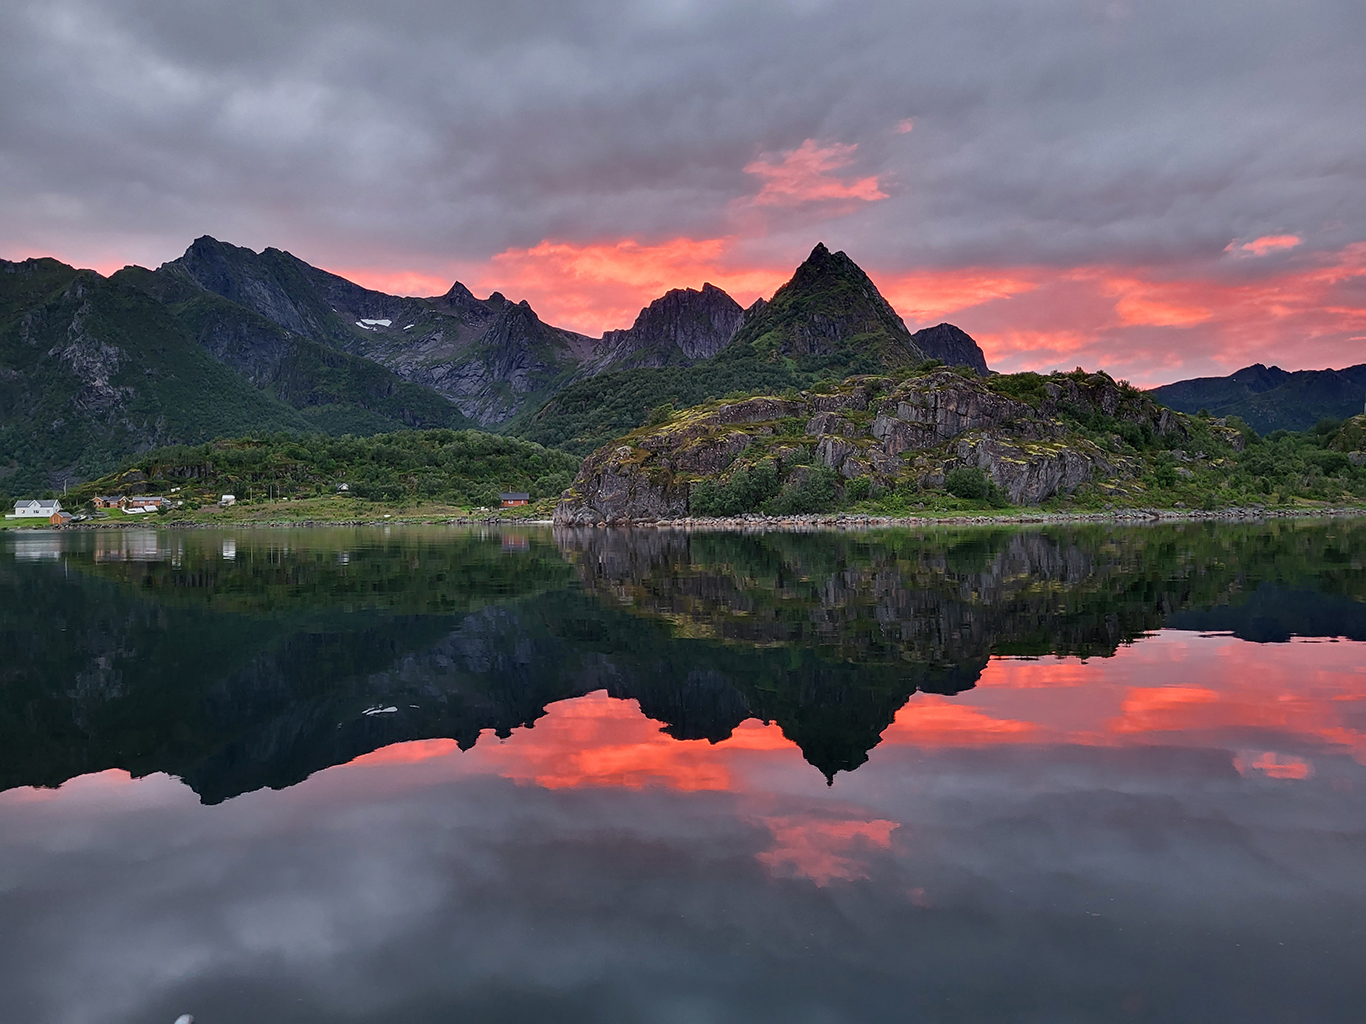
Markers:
point(1147, 324)
point(804, 176)
point(597, 287)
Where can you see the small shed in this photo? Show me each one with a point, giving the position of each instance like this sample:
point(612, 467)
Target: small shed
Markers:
point(59, 518)
point(510, 499)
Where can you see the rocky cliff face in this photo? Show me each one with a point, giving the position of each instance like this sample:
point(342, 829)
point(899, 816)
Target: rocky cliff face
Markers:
point(890, 432)
point(492, 358)
point(678, 329)
point(952, 346)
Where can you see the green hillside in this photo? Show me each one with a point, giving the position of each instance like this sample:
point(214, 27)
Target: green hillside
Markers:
point(92, 370)
point(338, 392)
point(466, 467)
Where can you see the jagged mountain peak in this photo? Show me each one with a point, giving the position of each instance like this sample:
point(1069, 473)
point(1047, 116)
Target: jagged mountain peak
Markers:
point(832, 314)
point(681, 327)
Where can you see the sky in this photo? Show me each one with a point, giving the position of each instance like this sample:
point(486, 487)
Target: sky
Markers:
point(1161, 189)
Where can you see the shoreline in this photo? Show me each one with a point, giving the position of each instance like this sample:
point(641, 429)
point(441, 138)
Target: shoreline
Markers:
point(753, 522)
point(851, 520)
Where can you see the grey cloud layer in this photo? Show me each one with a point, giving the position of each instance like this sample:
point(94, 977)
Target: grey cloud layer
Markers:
point(362, 133)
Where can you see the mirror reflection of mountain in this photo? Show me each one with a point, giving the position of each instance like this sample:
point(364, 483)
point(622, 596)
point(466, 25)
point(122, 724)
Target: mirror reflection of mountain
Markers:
point(254, 660)
point(937, 596)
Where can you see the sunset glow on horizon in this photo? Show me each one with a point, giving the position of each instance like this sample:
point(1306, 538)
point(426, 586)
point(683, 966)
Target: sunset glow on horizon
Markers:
point(1146, 324)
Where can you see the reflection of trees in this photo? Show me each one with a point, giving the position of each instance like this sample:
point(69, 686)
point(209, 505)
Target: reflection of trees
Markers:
point(257, 670)
point(931, 596)
point(277, 571)
point(899, 598)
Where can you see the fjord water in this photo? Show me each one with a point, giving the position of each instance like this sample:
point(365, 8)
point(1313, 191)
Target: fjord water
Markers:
point(1065, 774)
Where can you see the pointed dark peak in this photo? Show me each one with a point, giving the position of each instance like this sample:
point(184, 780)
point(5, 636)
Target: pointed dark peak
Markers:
point(497, 299)
point(460, 294)
point(952, 346)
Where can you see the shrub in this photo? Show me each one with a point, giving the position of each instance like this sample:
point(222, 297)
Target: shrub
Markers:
point(660, 414)
point(745, 490)
point(967, 482)
point(858, 489)
point(550, 485)
point(812, 490)
point(971, 484)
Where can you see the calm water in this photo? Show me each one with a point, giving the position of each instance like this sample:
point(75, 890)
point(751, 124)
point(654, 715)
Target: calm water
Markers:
point(439, 775)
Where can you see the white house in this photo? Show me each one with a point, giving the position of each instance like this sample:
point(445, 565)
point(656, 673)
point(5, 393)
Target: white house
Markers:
point(227, 499)
point(35, 509)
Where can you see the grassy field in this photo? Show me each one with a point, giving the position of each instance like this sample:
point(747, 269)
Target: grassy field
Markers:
point(329, 508)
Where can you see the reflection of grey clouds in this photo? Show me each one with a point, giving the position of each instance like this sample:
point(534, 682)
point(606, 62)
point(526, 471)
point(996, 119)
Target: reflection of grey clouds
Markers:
point(1022, 884)
point(350, 132)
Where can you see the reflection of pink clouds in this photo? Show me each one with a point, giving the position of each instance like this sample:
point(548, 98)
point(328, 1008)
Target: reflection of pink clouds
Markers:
point(410, 752)
point(931, 720)
point(804, 176)
point(824, 849)
point(1274, 766)
point(599, 741)
point(96, 784)
point(1160, 708)
point(1170, 688)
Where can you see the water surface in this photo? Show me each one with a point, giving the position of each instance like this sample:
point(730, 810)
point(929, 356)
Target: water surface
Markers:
point(1086, 774)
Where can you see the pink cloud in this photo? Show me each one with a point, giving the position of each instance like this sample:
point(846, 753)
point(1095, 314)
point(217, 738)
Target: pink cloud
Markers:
point(804, 176)
point(904, 127)
point(1265, 244)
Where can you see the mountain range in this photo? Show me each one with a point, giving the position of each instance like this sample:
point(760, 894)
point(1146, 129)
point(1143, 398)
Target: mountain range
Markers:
point(225, 340)
point(1269, 398)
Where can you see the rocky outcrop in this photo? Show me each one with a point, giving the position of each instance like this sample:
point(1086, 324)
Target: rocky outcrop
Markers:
point(1018, 431)
point(952, 346)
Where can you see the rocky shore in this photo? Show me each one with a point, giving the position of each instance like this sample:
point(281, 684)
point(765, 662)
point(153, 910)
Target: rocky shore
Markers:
point(854, 521)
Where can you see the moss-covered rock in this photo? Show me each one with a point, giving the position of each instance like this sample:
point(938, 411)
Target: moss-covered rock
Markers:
point(884, 432)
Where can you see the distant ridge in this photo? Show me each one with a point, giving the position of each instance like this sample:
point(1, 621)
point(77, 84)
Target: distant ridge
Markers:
point(1269, 398)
